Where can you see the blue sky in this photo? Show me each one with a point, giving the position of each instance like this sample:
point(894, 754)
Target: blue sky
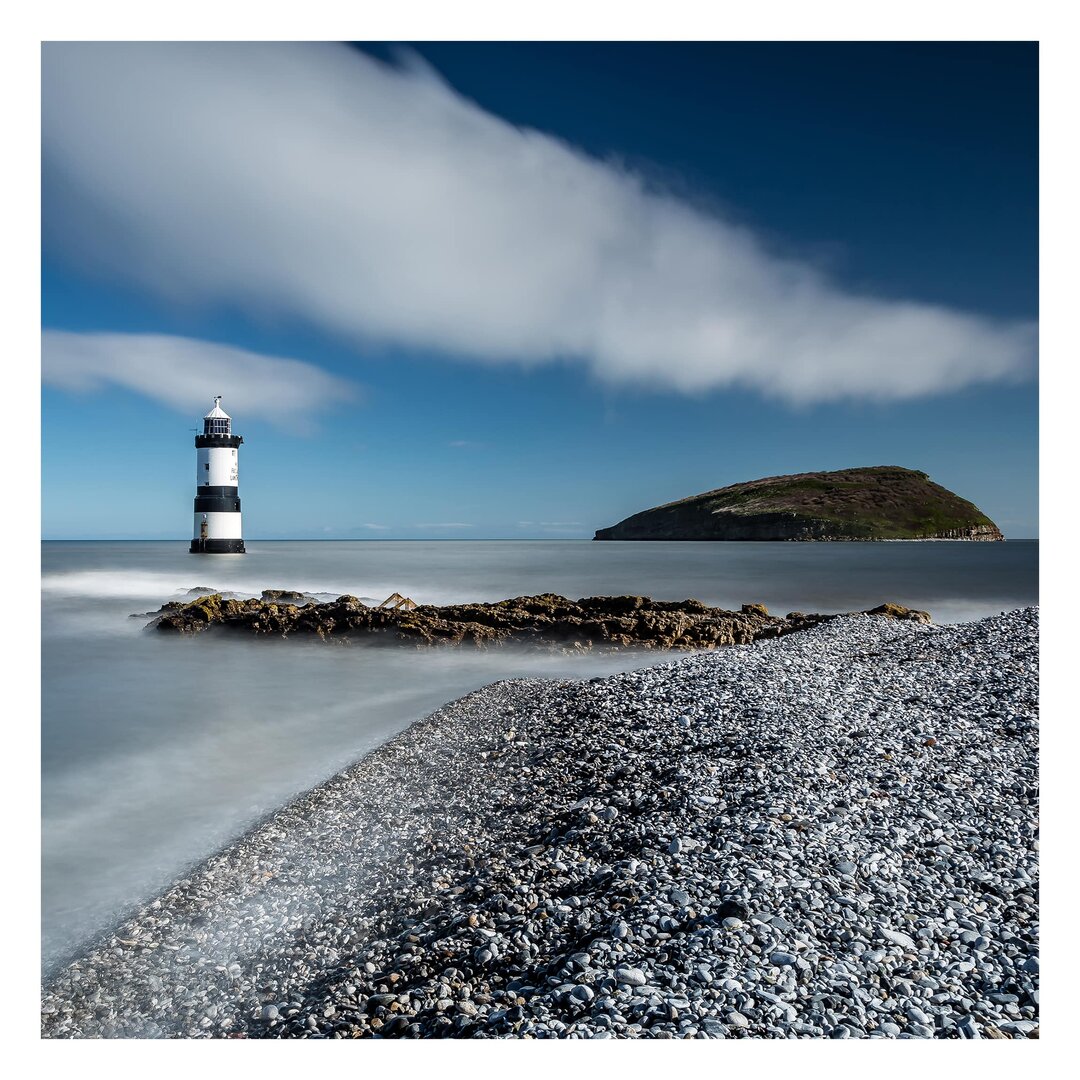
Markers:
point(490, 290)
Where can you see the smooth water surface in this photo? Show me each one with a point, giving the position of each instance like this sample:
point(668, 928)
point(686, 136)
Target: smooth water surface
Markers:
point(157, 750)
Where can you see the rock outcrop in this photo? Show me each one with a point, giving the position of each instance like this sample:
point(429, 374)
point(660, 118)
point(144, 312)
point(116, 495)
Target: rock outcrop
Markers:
point(550, 621)
point(884, 502)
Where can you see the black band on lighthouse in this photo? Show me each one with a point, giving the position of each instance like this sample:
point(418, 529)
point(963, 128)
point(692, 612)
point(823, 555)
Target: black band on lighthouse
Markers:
point(207, 504)
point(217, 547)
point(204, 442)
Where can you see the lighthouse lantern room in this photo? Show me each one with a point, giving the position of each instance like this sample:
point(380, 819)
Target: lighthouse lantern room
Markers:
point(217, 497)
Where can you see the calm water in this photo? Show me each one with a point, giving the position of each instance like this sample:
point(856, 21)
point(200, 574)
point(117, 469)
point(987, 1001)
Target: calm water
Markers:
point(157, 750)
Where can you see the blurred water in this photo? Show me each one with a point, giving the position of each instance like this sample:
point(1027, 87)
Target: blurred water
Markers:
point(157, 750)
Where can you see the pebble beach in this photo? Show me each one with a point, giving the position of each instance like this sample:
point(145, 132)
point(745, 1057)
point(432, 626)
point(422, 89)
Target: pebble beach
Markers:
point(831, 834)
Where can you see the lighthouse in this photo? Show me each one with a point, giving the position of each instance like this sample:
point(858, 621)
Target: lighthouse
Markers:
point(217, 498)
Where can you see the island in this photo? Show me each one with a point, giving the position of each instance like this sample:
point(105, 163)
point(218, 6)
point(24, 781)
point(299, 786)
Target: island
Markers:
point(882, 502)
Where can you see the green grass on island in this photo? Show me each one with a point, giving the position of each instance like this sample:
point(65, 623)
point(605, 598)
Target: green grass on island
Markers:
point(882, 502)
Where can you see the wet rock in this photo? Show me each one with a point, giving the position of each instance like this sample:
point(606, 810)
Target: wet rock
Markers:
point(548, 621)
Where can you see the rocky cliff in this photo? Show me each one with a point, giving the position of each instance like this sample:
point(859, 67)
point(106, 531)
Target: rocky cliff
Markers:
point(884, 502)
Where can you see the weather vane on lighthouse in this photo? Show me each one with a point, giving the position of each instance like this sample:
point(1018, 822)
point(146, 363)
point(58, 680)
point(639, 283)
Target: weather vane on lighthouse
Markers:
point(217, 498)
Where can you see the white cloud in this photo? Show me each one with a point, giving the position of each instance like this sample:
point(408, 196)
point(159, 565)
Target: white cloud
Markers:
point(310, 181)
point(443, 525)
point(185, 374)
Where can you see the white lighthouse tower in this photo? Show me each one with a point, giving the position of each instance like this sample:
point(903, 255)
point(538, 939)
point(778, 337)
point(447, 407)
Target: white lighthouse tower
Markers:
point(217, 498)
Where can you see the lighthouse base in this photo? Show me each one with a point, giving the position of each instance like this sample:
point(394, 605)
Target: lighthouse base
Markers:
point(217, 547)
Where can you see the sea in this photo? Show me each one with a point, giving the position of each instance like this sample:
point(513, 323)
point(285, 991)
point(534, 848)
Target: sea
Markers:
point(157, 750)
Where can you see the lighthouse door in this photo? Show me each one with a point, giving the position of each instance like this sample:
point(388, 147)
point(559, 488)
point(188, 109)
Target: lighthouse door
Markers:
point(204, 529)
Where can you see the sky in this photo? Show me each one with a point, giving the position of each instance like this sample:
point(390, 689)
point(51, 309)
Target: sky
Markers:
point(525, 290)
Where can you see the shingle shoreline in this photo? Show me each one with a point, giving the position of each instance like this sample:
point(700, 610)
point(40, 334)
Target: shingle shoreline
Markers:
point(830, 834)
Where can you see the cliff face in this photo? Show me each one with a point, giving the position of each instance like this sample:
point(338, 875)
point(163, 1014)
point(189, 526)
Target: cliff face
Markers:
point(884, 502)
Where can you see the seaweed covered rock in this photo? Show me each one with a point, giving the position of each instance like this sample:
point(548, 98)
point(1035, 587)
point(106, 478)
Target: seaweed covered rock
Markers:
point(547, 620)
point(286, 596)
point(898, 611)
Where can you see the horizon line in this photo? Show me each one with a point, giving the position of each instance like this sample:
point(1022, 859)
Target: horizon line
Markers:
point(472, 540)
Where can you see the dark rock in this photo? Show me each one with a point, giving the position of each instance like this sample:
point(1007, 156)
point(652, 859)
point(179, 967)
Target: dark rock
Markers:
point(898, 611)
point(729, 909)
point(172, 605)
point(285, 596)
point(547, 620)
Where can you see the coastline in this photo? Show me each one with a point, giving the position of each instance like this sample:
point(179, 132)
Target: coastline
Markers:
point(557, 858)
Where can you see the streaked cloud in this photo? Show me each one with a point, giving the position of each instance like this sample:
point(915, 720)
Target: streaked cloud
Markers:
point(443, 525)
point(184, 373)
point(312, 182)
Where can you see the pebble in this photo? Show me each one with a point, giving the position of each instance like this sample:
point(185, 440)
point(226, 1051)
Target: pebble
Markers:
point(968, 1028)
point(898, 938)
